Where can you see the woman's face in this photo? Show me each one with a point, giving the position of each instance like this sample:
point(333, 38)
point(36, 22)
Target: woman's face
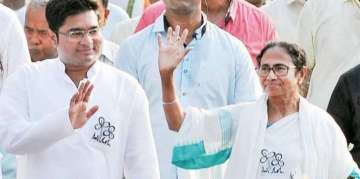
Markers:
point(278, 74)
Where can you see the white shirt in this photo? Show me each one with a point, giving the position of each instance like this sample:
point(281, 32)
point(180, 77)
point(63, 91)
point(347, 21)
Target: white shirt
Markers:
point(216, 72)
point(35, 124)
point(285, 15)
point(109, 52)
point(281, 156)
point(135, 10)
point(329, 32)
point(116, 15)
point(124, 29)
point(13, 47)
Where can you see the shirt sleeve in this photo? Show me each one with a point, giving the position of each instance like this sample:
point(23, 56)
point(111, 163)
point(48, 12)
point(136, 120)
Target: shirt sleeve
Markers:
point(205, 138)
point(19, 134)
point(247, 84)
point(340, 108)
point(17, 50)
point(140, 155)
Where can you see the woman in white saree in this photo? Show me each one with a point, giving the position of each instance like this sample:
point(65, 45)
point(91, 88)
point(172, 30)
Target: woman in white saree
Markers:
point(280, 135)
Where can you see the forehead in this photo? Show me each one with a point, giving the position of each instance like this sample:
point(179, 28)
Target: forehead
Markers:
point(35, 15)
point(82, 20)
point(276, 55)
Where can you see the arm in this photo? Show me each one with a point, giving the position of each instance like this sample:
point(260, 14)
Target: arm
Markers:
point(140, 155)
point(22, 136)
point(170, 56)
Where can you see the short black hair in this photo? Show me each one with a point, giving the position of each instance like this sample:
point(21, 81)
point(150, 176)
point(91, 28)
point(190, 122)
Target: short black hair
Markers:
point(296, 53)
point(58, 10)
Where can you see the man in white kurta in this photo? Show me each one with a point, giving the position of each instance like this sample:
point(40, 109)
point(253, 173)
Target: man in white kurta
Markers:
point(39, 122)
point(285, 15)
point(329, 33)
point(13, 54)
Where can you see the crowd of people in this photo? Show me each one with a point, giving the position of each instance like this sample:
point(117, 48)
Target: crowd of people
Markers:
point(179, 89)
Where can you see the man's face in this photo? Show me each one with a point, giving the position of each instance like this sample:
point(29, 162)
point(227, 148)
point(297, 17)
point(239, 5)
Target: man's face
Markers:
point(182, 6)
point(103, 12)
point(79, 41)
point(41, 40)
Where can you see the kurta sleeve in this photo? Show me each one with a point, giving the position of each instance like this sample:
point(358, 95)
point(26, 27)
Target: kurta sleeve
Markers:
point(18, 134)
point(205, 138)
point(140, 154)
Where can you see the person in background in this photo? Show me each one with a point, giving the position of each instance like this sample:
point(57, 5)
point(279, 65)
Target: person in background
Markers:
point(13, 54)
point(344, 106)
point(244, 21)
point(41, 40)
point(133, 8)
point(324, 26)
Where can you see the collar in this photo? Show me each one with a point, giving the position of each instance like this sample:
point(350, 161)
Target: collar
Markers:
point(232, 11)
point(90, 74)
point(161, 24)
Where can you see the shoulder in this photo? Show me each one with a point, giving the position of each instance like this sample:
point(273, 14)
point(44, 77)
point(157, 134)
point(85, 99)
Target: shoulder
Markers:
point(7, 18)
point(245, 9)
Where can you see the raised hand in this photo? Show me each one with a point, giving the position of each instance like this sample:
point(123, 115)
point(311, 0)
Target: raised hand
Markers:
point(172, 52)
point(78, 111)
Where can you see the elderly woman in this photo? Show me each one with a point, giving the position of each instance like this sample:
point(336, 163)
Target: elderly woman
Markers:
point(280, 135)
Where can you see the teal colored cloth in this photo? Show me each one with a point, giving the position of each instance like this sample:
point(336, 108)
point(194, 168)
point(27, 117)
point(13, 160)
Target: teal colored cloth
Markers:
point(355, 174)
point(8, 166)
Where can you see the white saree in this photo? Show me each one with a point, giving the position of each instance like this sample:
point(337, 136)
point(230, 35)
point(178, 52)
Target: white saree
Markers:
point(237, 132)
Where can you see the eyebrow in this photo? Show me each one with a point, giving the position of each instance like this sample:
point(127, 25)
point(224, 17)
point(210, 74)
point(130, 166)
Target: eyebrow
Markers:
point(81, 29)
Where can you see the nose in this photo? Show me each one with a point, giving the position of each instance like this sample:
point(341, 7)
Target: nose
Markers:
point(271, 75)
point(86, 40)
point(34, 39)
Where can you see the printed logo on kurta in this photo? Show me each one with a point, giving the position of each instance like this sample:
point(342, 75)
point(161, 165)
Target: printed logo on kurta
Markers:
point(104, 132)
point(271, 162)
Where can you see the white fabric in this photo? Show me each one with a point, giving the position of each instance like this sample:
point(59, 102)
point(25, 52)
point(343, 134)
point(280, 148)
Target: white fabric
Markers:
point(323, 144)
point(109, 52)
point(13, 47)
point(116, 15)
point(124, 29)
point(34, 123)
point(21, 13)
point(281, 156)
point(285, 15)
point(138, 6)
point(329, 32)
point(215, 52)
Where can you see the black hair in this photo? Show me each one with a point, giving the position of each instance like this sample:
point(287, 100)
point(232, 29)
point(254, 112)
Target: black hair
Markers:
point(58, 10)
point(297, 54)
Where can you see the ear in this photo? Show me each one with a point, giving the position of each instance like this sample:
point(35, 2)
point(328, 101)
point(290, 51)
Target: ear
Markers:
point(301, 75)
point(107, 13)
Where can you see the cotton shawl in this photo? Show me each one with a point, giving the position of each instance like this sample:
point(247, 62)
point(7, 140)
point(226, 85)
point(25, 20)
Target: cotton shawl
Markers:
point(237, 132)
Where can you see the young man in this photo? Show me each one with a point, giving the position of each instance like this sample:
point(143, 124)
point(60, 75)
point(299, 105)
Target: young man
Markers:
point(217, 71)
point(46, 117)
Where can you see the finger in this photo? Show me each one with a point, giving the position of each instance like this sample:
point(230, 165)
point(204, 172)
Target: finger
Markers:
point(85, 90)
point(184, 36)
point(88, 93)
point(92, 111)
point(80, 89)
point(159, 41)
point(72, 100)
point(169, 35)
point(176, 36)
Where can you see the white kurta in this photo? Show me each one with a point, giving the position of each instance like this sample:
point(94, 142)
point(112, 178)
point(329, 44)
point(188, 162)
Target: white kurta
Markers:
point(285, 15)
point(34, 123)
point(13, 47)
point(329, 32)
point(238, 132)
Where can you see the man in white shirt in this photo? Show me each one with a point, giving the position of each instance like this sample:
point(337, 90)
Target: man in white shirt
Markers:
point(41, 40)
point(285, 16)
point(329, 33)
point(50, 119)
point(217, 71)
point(13, 54)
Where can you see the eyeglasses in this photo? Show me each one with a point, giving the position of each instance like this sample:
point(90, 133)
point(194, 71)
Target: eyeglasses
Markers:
point(78, 35)
point(278, 69)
